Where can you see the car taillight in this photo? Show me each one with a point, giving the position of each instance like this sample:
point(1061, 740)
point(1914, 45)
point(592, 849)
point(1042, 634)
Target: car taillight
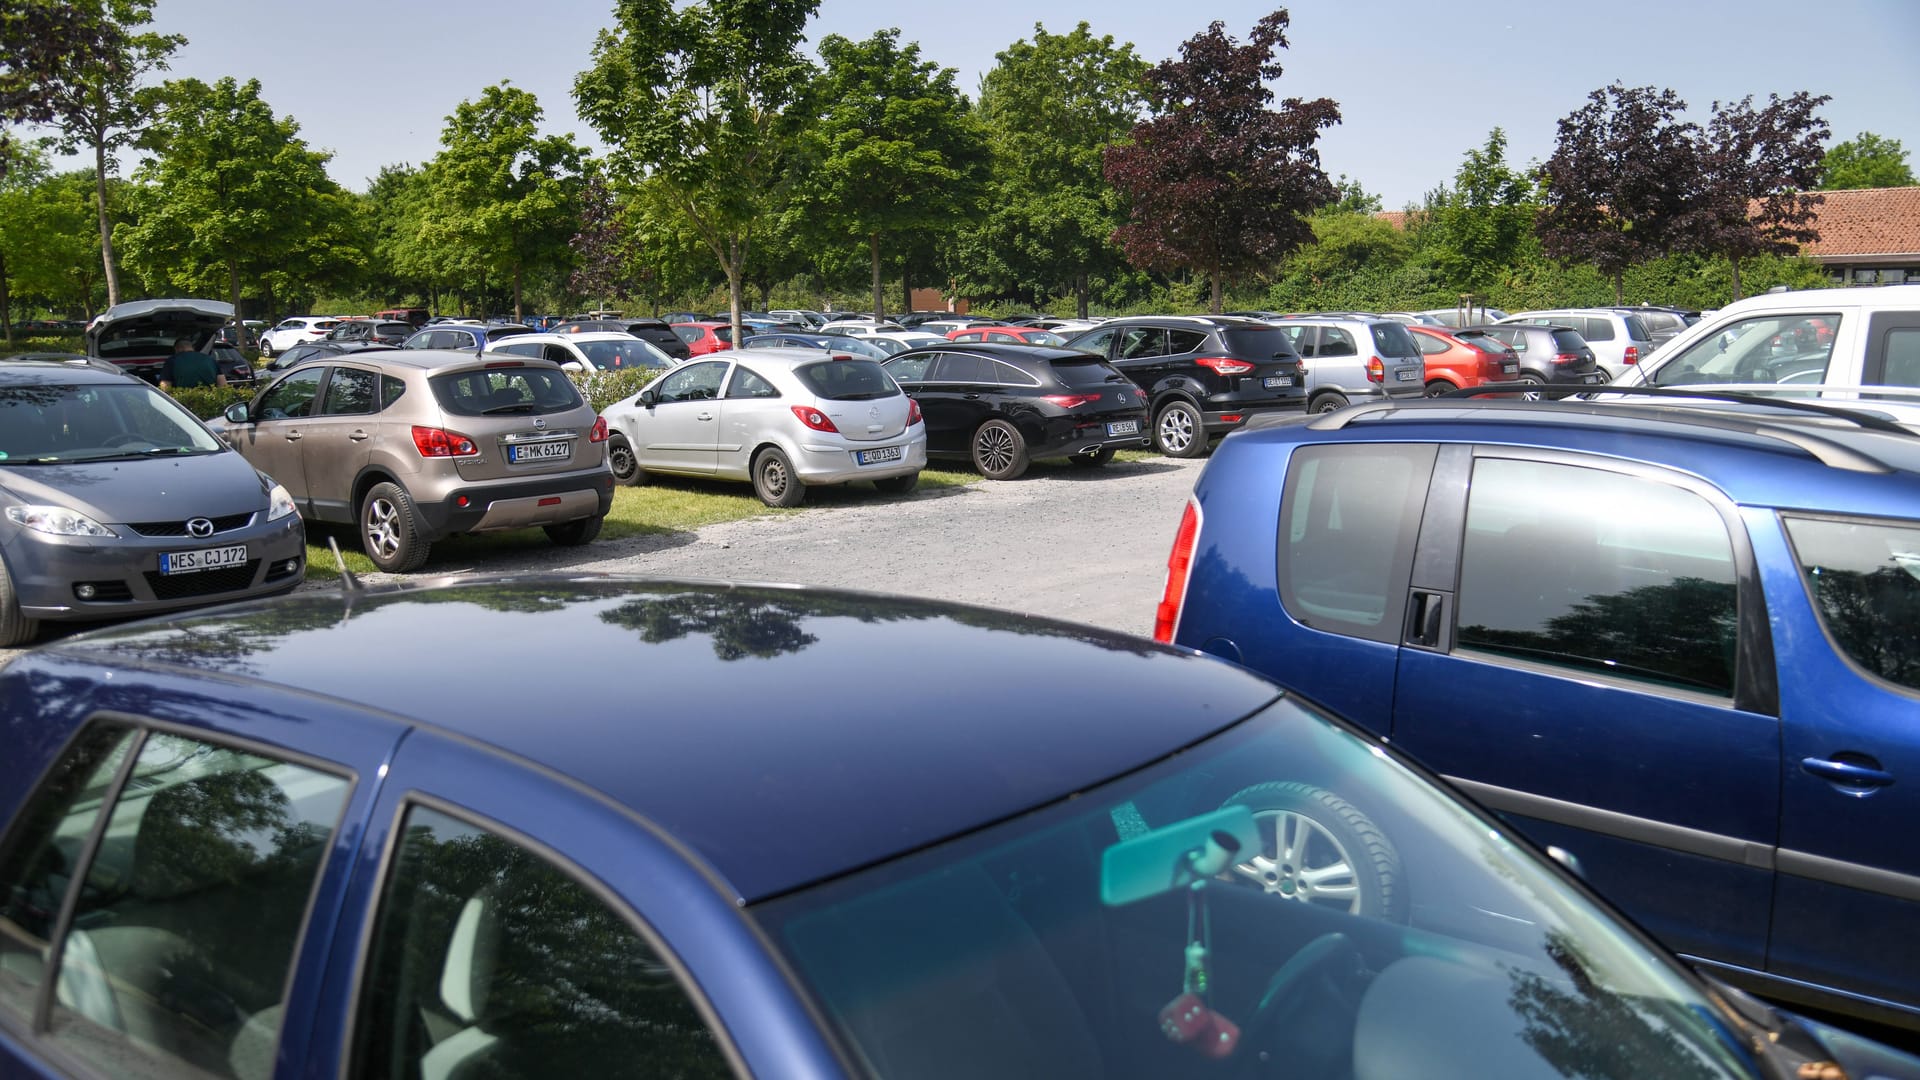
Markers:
point(1068, 401)
point(814, 419)
point(1179, 565)
point(1225, 365)
point(1633, 354)
point(913, 412)
point(1376, 371)
point(1566, 358)
point(599, 432)
point(433, 442)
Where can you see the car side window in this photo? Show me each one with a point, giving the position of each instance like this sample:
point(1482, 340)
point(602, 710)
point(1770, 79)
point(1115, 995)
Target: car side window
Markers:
point(1349, 516)
point(1007, 375)
point(696, 382)
point(1777, 348)
point(183, 931)
point(1140, 342)
point(523, 348)
point(292, 397)
point(746, 384)
point(1898, 362)
point(909, 369)
point(391, 390)
point(962, 368)
point(1864, 577)
point(489, 960)
point(1596, 328)
point(1099, 342)
point(1598, 571)
point(1336, 342)
point(350, 392)
point(1184, 341)
point(1429, 345)
point(1302, 338)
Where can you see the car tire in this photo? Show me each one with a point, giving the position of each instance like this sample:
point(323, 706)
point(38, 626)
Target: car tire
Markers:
point(897, 485)
point(15, 628)
point(1179, 430)
point(1094, 460)
point(1306, 832)
point(1000, 451)
point(388, 531)
point(1331, 401)
point(266, 349)
point(624, 463)
point(774, 481)
point(577, 532)
point(1440, 388)
point(1531, 380)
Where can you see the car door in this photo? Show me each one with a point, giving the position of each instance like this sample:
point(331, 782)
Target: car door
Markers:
point(1586, 650)
point(1140, 352)
point(278, 423)
point(338, 439)
point(520, 925)
point(957, 396)
point(680, 430)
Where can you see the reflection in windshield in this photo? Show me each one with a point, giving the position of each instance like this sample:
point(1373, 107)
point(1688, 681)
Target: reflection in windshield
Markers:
point(1058, 944)
point(95, 422)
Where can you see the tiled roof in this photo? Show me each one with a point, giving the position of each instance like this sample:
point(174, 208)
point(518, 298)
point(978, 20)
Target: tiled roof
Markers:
point(1867, 221)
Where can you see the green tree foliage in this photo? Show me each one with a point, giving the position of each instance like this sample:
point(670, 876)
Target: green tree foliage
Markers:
point(1619, 183)
point(235, 198)
point(47, 239)
point(41, 43)
point(1756, 169)
point(696, 97)
point(898, 151)
point(398, 269)
point(1478, 227)
point(1050, 107)
point(1219, 182)
point(1866, 161)
point(500, 195)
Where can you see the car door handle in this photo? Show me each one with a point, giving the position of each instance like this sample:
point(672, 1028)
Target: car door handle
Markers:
point(973, 397)
point(293, 436)
point(359, 436)
point(1851, 774)
point(703, 416)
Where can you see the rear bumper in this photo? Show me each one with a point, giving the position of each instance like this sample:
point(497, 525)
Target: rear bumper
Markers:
point(838, 463)
point(515, 504)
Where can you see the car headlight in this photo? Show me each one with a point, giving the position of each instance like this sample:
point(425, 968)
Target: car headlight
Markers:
point(57, 521)
point(279, 502)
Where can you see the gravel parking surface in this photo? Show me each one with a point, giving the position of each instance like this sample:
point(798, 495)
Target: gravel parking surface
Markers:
point(1083, 544)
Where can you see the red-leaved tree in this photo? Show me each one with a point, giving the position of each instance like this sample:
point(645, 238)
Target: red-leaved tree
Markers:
point(1758, 169)
point(1219, 182)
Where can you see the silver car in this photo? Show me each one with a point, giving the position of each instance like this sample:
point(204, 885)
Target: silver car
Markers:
point(116, 501)
point(1356, 359)
point(1619, 339)
point(784, 419)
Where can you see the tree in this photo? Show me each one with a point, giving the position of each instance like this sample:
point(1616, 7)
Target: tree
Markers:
point(235, 196)
point(1756, 169)
point(98, 104)
point(1476, 229)
point(500, 192)
point(1220, 183)
point(696, 97)
point(47, 238)
point(41, 43)
point(1050, 108)
point(1619, 184)
point(1866, 161)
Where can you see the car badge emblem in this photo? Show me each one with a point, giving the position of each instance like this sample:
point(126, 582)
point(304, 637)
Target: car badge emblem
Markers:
point(1123, 397)
point(539, 424)
point(199, 527)
point(873, 413)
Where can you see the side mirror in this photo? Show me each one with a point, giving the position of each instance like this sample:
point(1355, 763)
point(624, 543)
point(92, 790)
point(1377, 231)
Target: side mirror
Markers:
point(237, 413)
point(649, 397)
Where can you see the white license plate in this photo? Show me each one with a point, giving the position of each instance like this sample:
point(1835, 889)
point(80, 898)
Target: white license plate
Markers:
point(1509, 369)
point(189, 562)
point(875, 457)
point(559, 450)
point(1407, 376)
point(1124, 427)
point(1277, 381)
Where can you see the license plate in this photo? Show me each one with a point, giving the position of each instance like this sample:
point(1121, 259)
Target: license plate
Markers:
point(875, 457)
point(559, 450)
point(1275, 382)
point(1509, 369)
point(190, 562)
point(1407, 376)
point(1124, 427)
point(1595, 377)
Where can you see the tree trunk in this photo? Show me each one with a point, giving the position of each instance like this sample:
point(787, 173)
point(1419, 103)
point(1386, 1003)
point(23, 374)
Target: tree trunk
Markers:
point(6, 301)
point(1620, 287)
point(1218, 288)
point(106, 226)
point(233, 287)
point(1736, 276)
point(906, 288)
point(1080, 291)
point(517, 316)
point(879, 301)
point(736, 288)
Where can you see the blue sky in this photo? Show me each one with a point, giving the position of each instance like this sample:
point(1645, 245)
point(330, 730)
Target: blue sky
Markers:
point(1418, 83)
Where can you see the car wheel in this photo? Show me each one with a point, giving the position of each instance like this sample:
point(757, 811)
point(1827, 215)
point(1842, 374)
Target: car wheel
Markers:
point(1331, 401)
point(773, 479)
point(1179, 430)
point(1094, 460)
point(1531, 380)
point(266, 348)
point(388, 531)
point(624, 462)
point(897, 485)
point(1318, 848)
point(999, 450)
point(15, 628)
point(576, 532)
point(1440, 388)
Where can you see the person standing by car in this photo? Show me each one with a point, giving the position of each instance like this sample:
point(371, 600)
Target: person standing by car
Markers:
point(189, 367)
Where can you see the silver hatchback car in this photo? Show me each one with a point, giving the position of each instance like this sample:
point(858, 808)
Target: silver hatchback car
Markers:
point(414, 445)
point(116, 501)
point(1356, 359)
point(783, 418)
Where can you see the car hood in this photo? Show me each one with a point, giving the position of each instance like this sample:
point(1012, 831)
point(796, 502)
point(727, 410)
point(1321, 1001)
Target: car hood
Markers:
point(159, 319)
point(147, 489)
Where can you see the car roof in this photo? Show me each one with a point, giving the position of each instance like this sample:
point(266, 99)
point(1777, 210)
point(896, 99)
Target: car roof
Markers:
point(785, 356)
point(765, 727)
point(1005, 350)
point(44, 369)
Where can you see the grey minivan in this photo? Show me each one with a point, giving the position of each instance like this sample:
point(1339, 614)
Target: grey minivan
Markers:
point(116, 501)
point(1356, 359)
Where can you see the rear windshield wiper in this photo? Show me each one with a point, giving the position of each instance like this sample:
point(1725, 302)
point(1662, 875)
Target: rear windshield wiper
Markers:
point(500, 410)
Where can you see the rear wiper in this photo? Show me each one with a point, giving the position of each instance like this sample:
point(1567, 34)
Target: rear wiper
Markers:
point(498, 410)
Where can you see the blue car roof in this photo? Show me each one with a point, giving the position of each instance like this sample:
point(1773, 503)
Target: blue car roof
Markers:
point(786, 735)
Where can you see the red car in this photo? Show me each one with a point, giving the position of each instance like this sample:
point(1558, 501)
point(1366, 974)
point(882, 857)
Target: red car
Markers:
point(1457, 359)
point(1009, 335)
point(705, 337)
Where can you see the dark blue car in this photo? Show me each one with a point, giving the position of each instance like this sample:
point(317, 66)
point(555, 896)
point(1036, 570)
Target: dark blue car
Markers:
point(1678, 639)
point(735, 830)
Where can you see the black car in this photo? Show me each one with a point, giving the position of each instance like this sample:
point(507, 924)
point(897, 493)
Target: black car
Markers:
point(1204, 375)
point(369, 332)
point(1548, 354)
point(315, 350)
point(1004, 405)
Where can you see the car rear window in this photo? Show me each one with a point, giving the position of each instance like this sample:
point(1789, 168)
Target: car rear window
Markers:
point(1392, 339)
point(846, 380)
point(1568, 341)
point(1865, 577)
point(508, 331)
point(1087, 372)
point(503, 391)
point(1255, 342)
point(394, 328)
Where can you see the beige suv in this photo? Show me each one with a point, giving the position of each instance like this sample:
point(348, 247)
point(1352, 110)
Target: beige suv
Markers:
point(417, 445)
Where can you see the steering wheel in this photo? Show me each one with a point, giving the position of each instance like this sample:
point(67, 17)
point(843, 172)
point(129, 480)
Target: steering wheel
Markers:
point(1324, 971)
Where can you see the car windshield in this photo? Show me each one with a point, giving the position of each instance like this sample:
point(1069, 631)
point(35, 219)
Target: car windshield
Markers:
point(1284, 891)
point(46, 423)
point(847, 379)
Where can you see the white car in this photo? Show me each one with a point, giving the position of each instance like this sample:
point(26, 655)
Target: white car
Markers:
point(784, 419)
point(296, 331)
point(901, 340)
point(595, 350)
point(861, 327)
